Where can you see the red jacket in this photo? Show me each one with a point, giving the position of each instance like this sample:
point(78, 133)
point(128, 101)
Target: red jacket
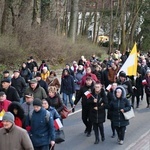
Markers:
point(18, 122)
point(4, 106)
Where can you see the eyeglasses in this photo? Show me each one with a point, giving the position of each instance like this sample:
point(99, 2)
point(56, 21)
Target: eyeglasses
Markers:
point(97, 87)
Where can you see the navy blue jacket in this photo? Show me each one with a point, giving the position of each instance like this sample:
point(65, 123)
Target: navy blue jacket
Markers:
point(41, 131)
point(116, 105)
point(67, 85)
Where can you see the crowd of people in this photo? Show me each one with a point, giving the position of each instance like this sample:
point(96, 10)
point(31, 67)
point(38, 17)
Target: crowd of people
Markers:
point(33, 96)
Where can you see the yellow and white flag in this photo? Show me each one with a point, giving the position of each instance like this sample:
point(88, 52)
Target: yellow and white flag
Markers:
point(130, 65)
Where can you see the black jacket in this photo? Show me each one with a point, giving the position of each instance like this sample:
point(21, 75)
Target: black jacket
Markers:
point(19, 84)
point(55, 102)
point(67, 85)
point(127, 86)
point(44, 85)
point(82, 96)
point(12, 94)
point(116, 105)
point(110, 97)
point(98, 116)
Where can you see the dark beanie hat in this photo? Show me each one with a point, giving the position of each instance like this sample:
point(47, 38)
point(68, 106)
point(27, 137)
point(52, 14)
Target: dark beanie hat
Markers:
point(6, 80)
point(38, 74)
point(37, 102)
point(8, 116)
point(122, 74)
point(6, 71)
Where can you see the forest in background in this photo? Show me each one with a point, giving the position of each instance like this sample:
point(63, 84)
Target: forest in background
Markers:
point(57, 30)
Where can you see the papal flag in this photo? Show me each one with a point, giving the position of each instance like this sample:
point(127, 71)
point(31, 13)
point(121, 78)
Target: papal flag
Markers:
point(130, 65)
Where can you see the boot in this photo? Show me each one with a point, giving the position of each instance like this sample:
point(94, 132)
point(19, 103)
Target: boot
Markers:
point(96, 141)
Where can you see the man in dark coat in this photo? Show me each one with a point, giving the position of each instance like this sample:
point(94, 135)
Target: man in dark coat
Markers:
point(42, 128)
point(10, 91)
point(88, 87)
point(19, 84)
point(41, 82)
point(126, 83)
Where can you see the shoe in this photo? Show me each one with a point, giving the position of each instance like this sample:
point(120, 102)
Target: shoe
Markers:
point(88, 134)
point(147, 106)
point(103, 139)
point(113, 136)
point(96, 141)
point(121, 142)
point(137, 106)
point(73, 110)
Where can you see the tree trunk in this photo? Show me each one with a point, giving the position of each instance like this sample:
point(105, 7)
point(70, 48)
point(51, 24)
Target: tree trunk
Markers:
point(123, 39)
point(5, 14)
point(73, 20)
point(25, 17)
point(111, 29)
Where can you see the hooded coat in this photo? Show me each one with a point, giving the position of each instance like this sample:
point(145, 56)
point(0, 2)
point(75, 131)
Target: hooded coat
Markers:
point(116, 105)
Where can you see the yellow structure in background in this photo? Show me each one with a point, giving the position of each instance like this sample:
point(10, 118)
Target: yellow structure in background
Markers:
point(103, 39)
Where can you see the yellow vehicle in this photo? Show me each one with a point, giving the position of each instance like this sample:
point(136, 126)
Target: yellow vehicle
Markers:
point(102, 39)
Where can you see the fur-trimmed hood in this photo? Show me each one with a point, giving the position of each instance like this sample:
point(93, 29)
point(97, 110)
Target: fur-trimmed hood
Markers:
point(123, 91)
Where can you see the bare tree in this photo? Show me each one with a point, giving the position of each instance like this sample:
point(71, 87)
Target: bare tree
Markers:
point(73, 20)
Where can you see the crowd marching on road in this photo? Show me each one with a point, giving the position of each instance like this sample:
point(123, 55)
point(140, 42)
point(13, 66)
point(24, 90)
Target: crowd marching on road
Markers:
point(33, 97)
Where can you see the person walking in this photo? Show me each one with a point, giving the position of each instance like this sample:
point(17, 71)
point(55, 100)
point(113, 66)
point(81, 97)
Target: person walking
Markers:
point(41, 82)
point(147, 88)
point(4, 104)
point(110, 97)
point(67, 87)
point(10, 91)
point(119, 105)
point(13, 137)
point(88, 87)
point(28, 109)
point(18, 112)
point(42, 128)
point(54, 99)
point(98, 103)
point(36, 89)
point(19, 84)
point(25, 72)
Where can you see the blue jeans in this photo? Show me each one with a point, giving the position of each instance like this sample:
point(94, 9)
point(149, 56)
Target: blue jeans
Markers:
point(65, 99)
point(44, 147)
point(21, 100)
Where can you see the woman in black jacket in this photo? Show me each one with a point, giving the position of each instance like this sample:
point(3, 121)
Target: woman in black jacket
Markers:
point(67, 87)
point(119, 105)
point(110, 96)
point(98, 102)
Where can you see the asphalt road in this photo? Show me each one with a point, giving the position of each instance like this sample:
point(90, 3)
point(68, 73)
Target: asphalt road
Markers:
point(75, 139)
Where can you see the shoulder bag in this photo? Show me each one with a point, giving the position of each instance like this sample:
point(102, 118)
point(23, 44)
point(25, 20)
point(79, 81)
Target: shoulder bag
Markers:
point(129, 114)
point(65, 112)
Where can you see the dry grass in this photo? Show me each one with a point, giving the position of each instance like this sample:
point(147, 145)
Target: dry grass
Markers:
point(44, 44)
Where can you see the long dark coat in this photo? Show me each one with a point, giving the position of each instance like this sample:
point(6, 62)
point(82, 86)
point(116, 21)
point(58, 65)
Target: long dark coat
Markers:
point(116, 105)
point(98, 116)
